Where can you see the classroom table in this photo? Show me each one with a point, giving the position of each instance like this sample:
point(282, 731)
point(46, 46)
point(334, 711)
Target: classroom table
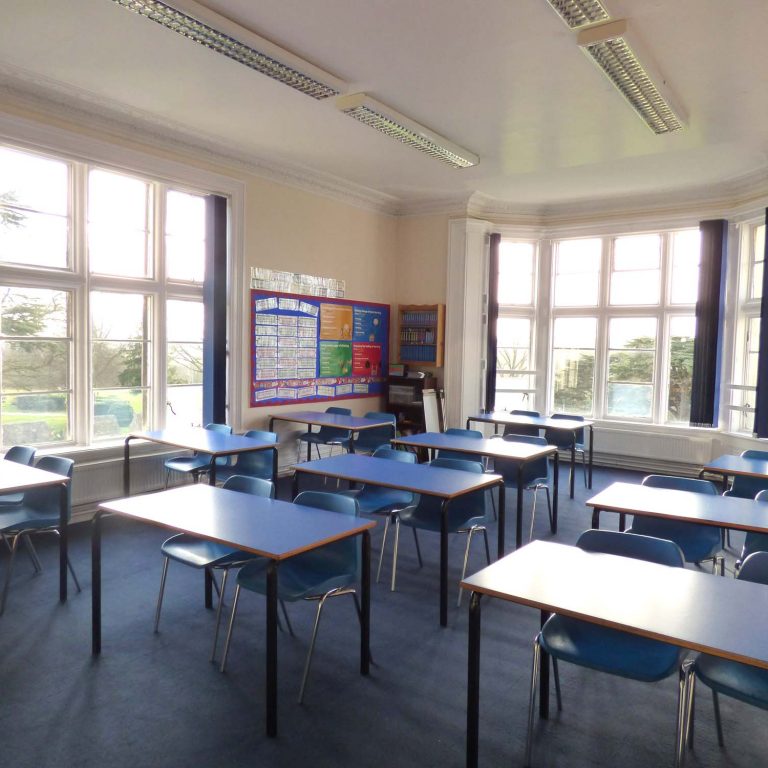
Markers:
point(274, 529)
point(673, 605)
point(445, 484)
point(545, 422)
point(15, 477)
point(685, 506)
point(323, 419)
point(201, 441)
point(728, 465)
point(492, 448)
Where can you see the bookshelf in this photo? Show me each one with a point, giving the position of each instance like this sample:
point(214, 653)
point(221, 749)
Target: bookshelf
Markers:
point(420, 334)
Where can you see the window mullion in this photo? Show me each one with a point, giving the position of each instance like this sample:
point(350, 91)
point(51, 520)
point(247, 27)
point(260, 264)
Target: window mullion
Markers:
point(81, 331)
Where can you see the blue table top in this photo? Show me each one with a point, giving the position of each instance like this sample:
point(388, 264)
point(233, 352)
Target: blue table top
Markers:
point(323, 419)
point(203, 440)
point(496, 447)
point(20, 477)
point(418, 478)
point(268, 527)
point(695, 610)
point(722, 511)
point(738, 465)
point(545, 422)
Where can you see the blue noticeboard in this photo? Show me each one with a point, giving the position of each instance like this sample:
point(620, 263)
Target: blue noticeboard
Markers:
point(309, 349)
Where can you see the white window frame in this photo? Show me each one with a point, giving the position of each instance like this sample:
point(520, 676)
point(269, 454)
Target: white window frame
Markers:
point(82, 153)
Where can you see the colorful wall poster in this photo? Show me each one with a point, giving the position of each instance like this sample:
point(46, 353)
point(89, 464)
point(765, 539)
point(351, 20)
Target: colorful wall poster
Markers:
point(310, 349)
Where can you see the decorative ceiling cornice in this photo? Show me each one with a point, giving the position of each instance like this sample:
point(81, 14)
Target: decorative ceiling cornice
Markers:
point(84, 108)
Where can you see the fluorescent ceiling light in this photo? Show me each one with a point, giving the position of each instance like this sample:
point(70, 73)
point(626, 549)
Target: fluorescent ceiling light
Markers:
point(195, 22)
point(577, 13)
point(392, 123)
point(609, 47)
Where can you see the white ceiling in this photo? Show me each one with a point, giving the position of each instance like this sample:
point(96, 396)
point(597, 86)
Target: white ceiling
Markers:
point(503, 78)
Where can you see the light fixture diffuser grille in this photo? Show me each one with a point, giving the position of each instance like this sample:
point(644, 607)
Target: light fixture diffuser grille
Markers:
point(394, 128)
point(204, 34)
point(617, 60)
point(577, 13)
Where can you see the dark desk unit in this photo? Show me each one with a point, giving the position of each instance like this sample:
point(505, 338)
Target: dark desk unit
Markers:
point(19, 477)
point(274, 529)
point(674, 605)
point(200, 440)
point(544, 422)
point(445, 484)
point(492, 448)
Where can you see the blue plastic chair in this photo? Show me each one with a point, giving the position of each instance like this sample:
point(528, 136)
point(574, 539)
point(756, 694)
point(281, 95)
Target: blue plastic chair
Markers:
point(522, 429)
point(466, 514)
point(368, 440)
point(375, 500)
point(474, 434)
point(253, 463)
point(198, 553)
point(331, 571)
point(748, 487)
point(39, 512)
point(753, 541)
point(567, 440)
point(605, 649)
point(698, 542)
point(536, 474)
point(20, 454)
point(329, 436)
point(198, 463)
point(731, 678)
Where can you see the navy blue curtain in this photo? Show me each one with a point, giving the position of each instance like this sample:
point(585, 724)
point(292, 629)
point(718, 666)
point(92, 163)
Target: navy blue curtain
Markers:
point(707, 346)
point(215, 311)
point(493, 316)
point(761, 398)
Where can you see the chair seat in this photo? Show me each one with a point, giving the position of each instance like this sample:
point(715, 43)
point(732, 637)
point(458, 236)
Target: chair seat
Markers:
point(199, 553)
point(25, 518)
point(376, 500)
point(608, 650)
point(11, 499)
point(698, 542)
point(299, 577)
point(188, 463)
point(740, 681)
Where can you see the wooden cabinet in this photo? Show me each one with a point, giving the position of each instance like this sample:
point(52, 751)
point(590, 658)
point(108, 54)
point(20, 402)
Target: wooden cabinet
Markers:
point(420, 334)
point(405, 400)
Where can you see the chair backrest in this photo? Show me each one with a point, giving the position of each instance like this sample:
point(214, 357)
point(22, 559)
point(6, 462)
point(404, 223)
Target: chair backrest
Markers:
point(329, 434)
point(371, 439)
point(634, 545)
point(533, 470)
point(564, 439)
point(256, 486)
point(21, 454)
point(470, 506)
point(343, 556)
point(755, 568)
point(475, 434)
point(748, 487)
point(429, 401)
point(47, 499)
point(257, 463)
point(383, 452)
point(675, 483)
point(522, 429)
point(755, 542)
point(221, 461)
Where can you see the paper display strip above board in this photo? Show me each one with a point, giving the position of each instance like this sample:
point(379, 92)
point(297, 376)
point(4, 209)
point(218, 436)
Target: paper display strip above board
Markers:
point(266, 279)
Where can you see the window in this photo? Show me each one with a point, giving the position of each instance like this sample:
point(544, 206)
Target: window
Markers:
point(100, 301)
point(622, 321)
point(740, 405)
point(515, 368)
